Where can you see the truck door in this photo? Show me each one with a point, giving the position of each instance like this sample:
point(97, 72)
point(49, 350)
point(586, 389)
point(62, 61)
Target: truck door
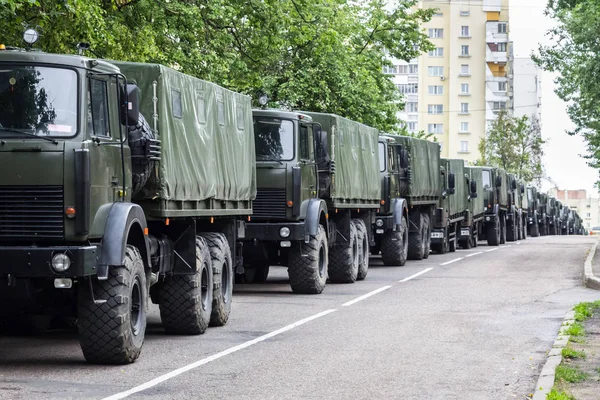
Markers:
point(307, 163)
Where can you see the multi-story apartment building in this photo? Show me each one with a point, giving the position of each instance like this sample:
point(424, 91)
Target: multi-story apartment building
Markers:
point(457, 89)
point(587, 207)
point(526, 90)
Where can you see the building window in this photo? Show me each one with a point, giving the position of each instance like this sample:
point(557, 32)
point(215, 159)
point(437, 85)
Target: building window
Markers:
point(411, 107)
point(437, 52)
point(501, 47)
point(402, 69)
point(390, 69)
point(439, 14)
point(436, 89)
point(464, 50)
point(464, 88)
point(408, 88)
point(412, 127)
point(435, 33)
point(502, 27)
point(499, 105)
point(464, 13)
point(464, 146)
point(435, 128)
point(464, 127)
point(464, 69)
point(435, 109)
point(413, 69)
point(464, 108)
point(435, 71)
point(464, 31)
point(588, 215)
point(502, 86)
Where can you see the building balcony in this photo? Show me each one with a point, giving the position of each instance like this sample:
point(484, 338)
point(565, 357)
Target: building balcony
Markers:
point(413, 79)
point(497, 57)
point(492, 35)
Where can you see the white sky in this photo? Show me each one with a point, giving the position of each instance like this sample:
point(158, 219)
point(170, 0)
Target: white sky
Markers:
point(528, 26)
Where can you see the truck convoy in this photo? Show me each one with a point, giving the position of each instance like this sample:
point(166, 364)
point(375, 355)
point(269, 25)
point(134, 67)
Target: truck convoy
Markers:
point(124, 183)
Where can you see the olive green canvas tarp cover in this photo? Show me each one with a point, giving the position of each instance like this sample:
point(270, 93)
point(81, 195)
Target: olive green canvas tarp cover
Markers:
point(354, 148)
point(457, 202)
point(206, 134)
point(476, 205)
point(425, 181)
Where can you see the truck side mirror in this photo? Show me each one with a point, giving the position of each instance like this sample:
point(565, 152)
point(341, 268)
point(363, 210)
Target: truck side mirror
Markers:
point(498, 181)
point(513, 185)
point(403, 153)
point(321, 143)
point(473, 189)
point(451, 183)
point(130, 105)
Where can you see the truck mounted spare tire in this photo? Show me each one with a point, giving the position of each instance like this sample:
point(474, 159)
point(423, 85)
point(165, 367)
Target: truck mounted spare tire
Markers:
point(363, 246)
point(222, 268)
point(416, 240)
point(112, 329)
point(343, 260)
point(307, 264)
point(186, 300)
point(394, 246)
point(141, 165)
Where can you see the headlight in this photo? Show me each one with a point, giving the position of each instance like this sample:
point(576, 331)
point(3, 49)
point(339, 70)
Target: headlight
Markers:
point(61, 262)
point(284, 232)
point(488, 219)
point(379, 223)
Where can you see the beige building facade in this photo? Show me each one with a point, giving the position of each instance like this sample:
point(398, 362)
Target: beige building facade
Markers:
point(587, 207)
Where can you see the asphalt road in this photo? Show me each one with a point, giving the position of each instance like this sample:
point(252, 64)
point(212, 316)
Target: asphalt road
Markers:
point(475, 324)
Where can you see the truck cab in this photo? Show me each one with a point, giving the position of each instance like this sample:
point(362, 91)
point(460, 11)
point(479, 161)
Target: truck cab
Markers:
point(495, 194)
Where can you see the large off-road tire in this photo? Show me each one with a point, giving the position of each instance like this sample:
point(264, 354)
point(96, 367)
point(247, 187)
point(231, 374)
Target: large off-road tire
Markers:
point(112, 329)
point(511, 232)
point(542, 229)
point(452, 243)
point(535, 230)
point(427, 235)
point(343, 260)
point(475, 236)
point(394, 246)
point(467, 244)
point(493, 232)
point(416, 240)
point(141, 166)
point(222, 268)
point(502, 229)
point(363, 249)
point(186, 300)
point(307, 264)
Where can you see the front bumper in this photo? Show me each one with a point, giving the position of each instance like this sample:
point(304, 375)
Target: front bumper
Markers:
point(387, 224)
point(270, 231)
point(36, 262)
point(437, 236)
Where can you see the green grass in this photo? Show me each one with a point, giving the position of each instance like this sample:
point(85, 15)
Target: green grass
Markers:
point(571, 353)
point(576, 329)
point(584, 311)
point(556, 395)
point(569, 374)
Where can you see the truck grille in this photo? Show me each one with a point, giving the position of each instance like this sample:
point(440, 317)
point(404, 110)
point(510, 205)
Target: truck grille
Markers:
point(31, 212)
point(269, 203)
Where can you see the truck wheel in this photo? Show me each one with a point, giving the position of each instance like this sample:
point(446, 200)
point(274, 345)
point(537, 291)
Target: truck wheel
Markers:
point(535, 230)
point(343, 262)
point(427, 235)
point(112, 330)
point(511, 231)
point(363, 241)
point(394, 246)
point(186, 300)
point(452, 242)
point(493, 232)
point(475, 236)
point(416, 241)
point(222, 269)
point(141, 167)
point(307, 264)
point(467, 244)
point(502, 229)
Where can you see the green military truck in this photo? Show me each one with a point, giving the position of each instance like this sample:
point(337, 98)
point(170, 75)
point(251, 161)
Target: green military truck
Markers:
point(559, 213)
point(318, 192)
point(523, 205)
point(472, 224)
point(495, 185)
point(543, 217)
point(101, 210)
point(513, 213)
point(553, 216)
point(533, 222)
point(410, 189)
point(452, 207)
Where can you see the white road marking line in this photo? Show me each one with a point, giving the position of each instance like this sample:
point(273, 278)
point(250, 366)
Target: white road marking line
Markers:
point(474, 254)
point(452, 261)
point(494, 249)
point(365, 296)
point(415, 275)
point(214, 357)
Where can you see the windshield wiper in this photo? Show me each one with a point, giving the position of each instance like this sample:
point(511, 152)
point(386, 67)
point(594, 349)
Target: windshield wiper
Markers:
point(28, 134)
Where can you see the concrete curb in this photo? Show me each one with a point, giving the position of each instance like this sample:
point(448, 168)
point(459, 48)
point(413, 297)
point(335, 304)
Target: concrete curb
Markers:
point(589, 279)
point(546, 380)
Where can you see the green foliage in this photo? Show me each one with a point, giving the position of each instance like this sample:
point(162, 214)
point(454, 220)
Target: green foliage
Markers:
point(314, 55)
point(559, 395)
point(570, 353)
point(575, 55)
point(514, 144)
point(584, 311)
point(565, 373)
point(576, 329)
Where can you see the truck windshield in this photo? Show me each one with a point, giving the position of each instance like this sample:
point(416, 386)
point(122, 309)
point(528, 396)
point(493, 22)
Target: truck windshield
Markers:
point(38, 100)
point(381, 157)
point(487, 179)
point(274, 139)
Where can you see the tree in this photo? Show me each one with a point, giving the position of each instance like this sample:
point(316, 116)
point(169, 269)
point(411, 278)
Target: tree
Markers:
point(575, 56)
point(515, 145)
point(313, 55)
